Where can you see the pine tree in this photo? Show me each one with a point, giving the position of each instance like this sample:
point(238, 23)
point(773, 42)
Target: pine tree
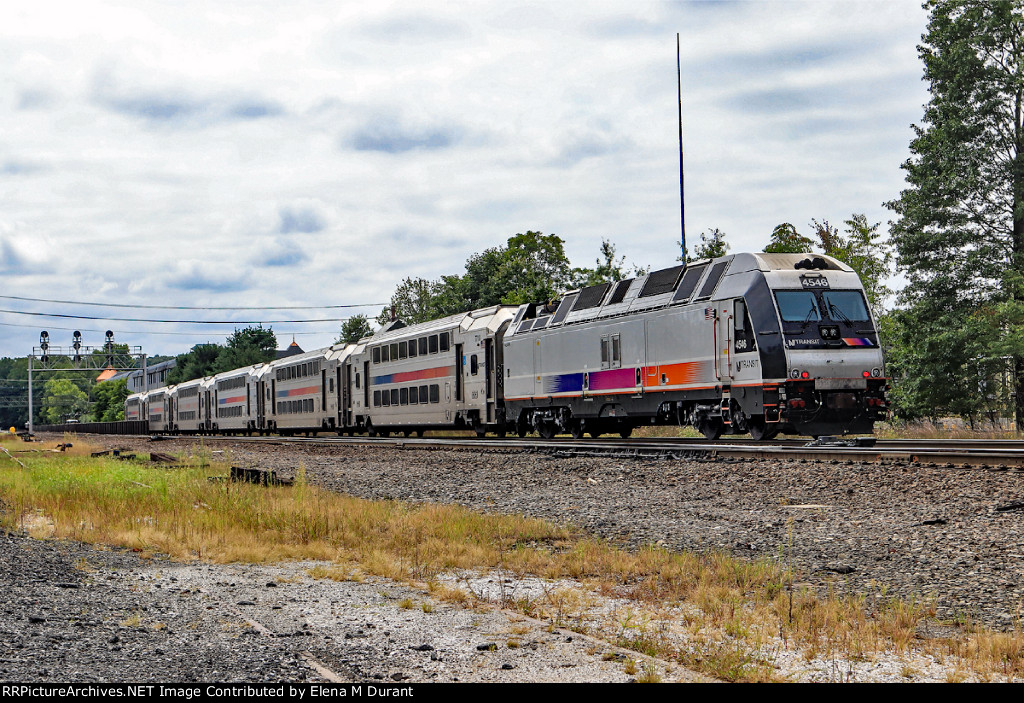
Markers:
point(959, 232)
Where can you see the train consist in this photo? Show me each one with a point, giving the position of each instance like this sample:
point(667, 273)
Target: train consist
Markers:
point(746, 343)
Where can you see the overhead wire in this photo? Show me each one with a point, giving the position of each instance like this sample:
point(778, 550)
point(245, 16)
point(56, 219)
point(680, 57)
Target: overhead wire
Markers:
point(175, 322)
point(140, 332)
point(186, 307)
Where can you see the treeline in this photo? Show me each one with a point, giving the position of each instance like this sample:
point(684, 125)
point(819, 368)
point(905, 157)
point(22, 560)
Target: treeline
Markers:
point(245, 347)
point(530, 267)
point(58, 396)
point(533, 267)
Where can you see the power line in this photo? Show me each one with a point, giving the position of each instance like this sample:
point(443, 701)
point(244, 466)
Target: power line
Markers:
point(185, 307)
point(177, 334)
point(176, 322)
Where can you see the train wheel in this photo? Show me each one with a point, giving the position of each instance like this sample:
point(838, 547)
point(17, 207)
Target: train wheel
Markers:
point(419, 433)
point(759, 432)
point(711, 428)
point(546, 429)
point(625, 431)
point(576, 429)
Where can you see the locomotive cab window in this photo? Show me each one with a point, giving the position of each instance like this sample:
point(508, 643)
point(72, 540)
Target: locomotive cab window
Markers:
point(844, 306)
point(744, 332)
point(797, 306)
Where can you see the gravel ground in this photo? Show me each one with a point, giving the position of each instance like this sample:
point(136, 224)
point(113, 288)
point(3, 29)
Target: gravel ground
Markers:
point(911, 531)
point(915, 531)
point(76, 614)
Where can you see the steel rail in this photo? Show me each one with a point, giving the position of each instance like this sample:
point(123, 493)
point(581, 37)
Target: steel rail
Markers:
point(903, 452)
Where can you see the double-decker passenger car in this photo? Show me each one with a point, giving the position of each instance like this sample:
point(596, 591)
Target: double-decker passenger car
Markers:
point(232, 396)
point(188, 399)
point(301, 393)
point(443, 373)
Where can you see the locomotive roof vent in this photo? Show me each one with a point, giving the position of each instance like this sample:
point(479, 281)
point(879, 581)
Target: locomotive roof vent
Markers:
point(811, 263)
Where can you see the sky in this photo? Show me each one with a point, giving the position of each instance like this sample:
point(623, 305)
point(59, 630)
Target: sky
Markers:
point(243, 154)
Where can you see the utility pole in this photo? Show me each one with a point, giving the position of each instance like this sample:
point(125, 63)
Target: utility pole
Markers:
point(682, 199)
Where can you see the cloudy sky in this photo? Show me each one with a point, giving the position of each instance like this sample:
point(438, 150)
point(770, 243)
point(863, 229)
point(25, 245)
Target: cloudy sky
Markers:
point(314, 153)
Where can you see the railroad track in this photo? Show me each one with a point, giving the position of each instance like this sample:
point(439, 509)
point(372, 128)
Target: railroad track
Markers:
point(948, 453)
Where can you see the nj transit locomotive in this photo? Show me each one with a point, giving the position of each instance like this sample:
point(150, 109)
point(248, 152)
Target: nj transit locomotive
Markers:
point(746, 343)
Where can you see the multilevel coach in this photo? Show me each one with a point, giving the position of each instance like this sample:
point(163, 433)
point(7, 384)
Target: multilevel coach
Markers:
point(758, 343)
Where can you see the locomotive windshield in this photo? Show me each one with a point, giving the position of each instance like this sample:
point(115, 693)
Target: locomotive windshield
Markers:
point(812, 306)
point(798, 306)
point(846, 305)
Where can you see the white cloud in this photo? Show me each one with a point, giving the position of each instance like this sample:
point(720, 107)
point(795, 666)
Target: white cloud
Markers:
point(317, 153)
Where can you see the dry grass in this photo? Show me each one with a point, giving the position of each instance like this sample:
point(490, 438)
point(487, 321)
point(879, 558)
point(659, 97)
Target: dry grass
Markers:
point(719, 615)
point(950, 428)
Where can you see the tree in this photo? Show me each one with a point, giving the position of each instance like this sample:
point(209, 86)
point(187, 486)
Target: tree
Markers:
point(607, 269)
point(354, 329)
point(412, 302)
point(862, 250)
point(196, 363)
point(535, 268)
point(712, 245)
point(532, 267)
point(959, 228)
point(245, 347)
point(786, 240)
point(63, 400)
point(109, 397)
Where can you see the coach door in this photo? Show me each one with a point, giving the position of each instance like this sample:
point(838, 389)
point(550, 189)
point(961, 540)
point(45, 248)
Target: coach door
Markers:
point(343, 408)
point(261, 404)
point(723, 339)
point(489, 377)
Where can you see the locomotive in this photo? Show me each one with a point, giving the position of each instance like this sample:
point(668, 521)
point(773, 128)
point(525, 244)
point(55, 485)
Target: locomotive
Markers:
point(752, 343)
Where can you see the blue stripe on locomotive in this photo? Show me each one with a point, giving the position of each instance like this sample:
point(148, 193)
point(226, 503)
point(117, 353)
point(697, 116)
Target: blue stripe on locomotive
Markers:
point(564, 383)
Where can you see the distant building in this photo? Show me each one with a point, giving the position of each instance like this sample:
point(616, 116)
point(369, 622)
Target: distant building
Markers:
point(155, 375)
point(292, 350)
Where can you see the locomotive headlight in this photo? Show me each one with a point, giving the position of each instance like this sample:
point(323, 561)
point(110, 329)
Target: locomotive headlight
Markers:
point(876, 372)
point(795, 373)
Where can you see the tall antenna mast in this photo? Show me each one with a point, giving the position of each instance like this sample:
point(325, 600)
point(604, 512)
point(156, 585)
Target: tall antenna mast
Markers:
point(682, 200)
